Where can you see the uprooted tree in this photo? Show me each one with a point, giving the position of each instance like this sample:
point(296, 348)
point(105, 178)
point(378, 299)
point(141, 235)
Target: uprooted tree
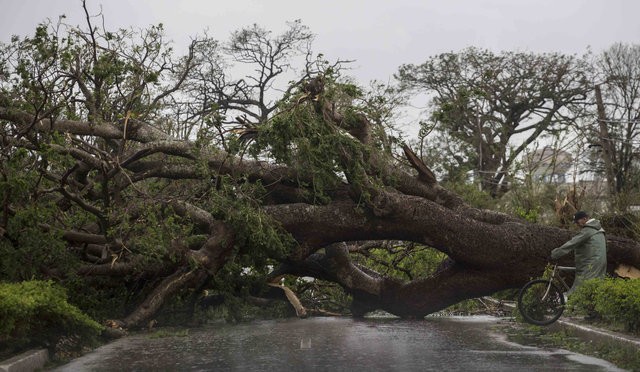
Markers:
point(160, 174)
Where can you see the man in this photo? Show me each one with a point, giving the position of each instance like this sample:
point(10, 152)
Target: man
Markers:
point(590, 249)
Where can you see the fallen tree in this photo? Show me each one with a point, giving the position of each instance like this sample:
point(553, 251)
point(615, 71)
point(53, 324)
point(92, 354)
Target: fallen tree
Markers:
point(92, 156)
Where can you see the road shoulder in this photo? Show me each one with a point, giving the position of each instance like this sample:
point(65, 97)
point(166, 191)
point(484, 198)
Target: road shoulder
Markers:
point(28, 361)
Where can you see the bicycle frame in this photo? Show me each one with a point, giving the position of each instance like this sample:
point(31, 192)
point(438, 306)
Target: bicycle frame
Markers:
point(555, 275)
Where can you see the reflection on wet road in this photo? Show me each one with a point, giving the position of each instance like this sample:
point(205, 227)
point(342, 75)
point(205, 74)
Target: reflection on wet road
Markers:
point(334, 344)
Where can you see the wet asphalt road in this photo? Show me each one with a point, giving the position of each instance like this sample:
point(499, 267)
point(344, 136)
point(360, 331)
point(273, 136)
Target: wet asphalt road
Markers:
point(333, 344)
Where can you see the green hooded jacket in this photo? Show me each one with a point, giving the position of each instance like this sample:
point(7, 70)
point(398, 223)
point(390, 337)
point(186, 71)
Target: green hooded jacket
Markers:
point(590, 247)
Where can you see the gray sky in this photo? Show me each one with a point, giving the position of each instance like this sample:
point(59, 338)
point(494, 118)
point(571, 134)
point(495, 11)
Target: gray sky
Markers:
point(379, 35)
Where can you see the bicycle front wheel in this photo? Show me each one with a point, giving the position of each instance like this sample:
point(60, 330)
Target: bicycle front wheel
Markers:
point(540, 302)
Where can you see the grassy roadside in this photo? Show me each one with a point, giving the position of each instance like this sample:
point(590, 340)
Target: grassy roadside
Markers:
point(613, 306)
point(619, 353)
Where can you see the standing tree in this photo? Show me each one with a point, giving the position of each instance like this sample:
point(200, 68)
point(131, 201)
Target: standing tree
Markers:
point(489, 107)
point(100, 194)
point(618, 119)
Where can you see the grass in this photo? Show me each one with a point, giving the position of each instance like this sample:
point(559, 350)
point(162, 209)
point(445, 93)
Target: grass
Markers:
point(619, 353)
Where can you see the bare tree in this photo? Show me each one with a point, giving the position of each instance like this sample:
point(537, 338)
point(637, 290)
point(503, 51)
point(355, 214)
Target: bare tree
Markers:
point(617, 98)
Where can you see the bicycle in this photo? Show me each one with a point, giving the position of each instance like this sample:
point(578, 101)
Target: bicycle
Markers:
point(541, 301)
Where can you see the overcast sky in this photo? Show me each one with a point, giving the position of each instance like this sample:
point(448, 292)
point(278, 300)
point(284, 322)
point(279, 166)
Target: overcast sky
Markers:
point(379, 35)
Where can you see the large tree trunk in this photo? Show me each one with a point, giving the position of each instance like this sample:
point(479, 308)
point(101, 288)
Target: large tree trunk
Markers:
point(487, 251)
point(483, 257)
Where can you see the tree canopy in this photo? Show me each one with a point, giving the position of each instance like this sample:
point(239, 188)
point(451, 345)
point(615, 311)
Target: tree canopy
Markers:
point(490, 107)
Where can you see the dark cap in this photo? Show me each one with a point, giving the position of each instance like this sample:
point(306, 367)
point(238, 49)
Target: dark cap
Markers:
point(579, 215)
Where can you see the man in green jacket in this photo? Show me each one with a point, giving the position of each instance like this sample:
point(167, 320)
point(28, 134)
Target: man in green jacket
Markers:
point(590, 249)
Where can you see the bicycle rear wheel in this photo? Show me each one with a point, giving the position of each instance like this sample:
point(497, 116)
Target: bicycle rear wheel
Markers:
point(540, 302)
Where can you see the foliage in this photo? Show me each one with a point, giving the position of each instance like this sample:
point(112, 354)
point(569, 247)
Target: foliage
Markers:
point(616, 301)
point(231, 308)
point(530, 214)
point(321, 296)
point(481, 100)
point(152, 232)
point(260, 243)
point(531, 200)
point(23, 237)
point(300, 136)
point(102, 298)
point(23, 256)
point(37, 313)
point(382, 104)
point(471, 193)
point(258, 237)
point(400, 260)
